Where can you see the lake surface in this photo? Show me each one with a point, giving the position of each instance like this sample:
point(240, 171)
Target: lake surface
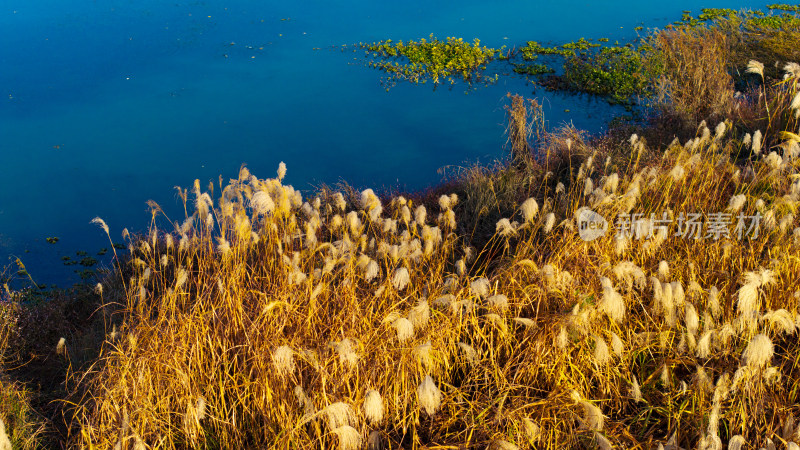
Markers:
point(106, 104)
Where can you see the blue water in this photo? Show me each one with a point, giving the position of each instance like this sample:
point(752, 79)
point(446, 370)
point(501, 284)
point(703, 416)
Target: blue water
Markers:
point(106, 104)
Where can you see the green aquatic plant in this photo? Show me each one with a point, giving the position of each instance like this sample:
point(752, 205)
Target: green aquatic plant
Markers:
point(580, 44)
point(431, 60)
point(88, 261)
point(533, 69)
point(533, 49)
point(619, 74)
point(85, 274)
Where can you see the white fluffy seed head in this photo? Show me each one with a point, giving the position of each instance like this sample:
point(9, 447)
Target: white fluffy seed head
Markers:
point(719, 131)
point(281, 171)
point(704, 344)
point(444, 202)
point(420, 214)
point(339, 414)
point(713, 302)
point(663, 270)
point(5, 442)
point(404, 329)
point(525, 322)
point(549, 222)
point(737, 202)
point(755, 67)
point(620, 244)
point(601, 354)
point(347, 354)
point(678, 294)
point(562, 338)
point(792, 70)
point(262, 203)
point(795, 102)
point(613, 304)
point(480, 287)
point(349, 437)
point(420, 314)
point(422, 353)
point(588, 187)
point(505, 228)
point(747, 303)
point(736, 442)
point(400, 278)
point(529, 209)
point(531, 430)
point(602, 442)
point(757, 142)
point(469, 353)
point(499, 302)
point(611, 183)
point(677, 173)
point(429, 396)
point(371, 270)
point(373, 406)
point(781, 320)
point(101, 223)
point(592, 416)
point(617, 345)
point(499, 444)
point(692, 319)
point(368, 199)
point(61, 346)
point(758, 352)
point(283, 359)
point(444, 301)
point(180, 278)
point(636, 390)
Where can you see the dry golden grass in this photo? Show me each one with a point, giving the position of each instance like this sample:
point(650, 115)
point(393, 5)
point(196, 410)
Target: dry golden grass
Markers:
point(269, 320)
point(472, 317)
point(696, 82)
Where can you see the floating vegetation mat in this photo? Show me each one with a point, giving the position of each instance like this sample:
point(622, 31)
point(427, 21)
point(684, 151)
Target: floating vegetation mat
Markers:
point(620, 73)
point(434, 60)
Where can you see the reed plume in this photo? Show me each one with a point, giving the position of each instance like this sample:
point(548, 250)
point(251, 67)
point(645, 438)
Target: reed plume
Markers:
point(373, 407)
point(429, 396)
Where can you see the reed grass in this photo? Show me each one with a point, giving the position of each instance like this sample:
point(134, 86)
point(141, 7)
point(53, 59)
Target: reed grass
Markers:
point(309, 331)
point(471, 316)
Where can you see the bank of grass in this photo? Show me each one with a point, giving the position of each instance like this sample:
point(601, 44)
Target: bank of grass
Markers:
point(469, 316)
point(332, 321)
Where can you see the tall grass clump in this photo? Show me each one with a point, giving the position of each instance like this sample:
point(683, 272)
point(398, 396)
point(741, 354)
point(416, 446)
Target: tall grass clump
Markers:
point(474, 315)
point(350, 319)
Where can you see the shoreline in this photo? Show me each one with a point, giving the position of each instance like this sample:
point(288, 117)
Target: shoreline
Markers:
point(475, 312)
